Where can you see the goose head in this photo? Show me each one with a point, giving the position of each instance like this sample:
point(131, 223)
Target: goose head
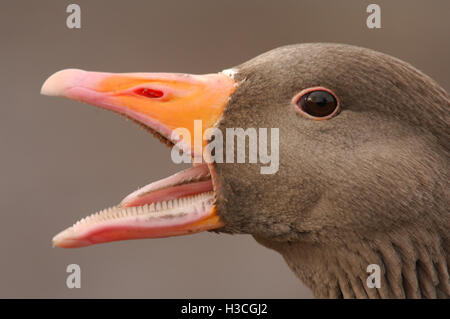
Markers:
point(361, 142)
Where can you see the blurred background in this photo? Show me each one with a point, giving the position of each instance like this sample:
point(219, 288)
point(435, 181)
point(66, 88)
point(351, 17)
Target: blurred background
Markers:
point(61, 160)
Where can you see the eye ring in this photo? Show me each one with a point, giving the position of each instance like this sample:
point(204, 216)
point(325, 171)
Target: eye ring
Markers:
point(316, 111)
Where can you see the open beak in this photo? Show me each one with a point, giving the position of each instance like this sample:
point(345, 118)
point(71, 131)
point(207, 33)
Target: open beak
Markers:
point(163, 102)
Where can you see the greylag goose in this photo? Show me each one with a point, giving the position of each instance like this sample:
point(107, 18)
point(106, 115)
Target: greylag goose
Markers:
point(363, 165)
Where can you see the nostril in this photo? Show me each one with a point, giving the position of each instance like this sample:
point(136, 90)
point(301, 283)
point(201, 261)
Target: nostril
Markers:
point(150, 93)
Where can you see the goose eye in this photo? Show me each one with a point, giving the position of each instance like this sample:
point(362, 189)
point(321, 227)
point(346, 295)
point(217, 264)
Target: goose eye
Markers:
point(318, 103)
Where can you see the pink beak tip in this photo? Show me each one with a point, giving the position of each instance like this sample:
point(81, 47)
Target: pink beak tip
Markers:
point(60, 81)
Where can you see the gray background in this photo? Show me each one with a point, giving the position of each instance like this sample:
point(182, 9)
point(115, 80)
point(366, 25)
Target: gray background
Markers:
point(61, 160)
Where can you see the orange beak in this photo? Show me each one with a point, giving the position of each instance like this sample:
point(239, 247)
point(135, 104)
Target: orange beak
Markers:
point(163, 102)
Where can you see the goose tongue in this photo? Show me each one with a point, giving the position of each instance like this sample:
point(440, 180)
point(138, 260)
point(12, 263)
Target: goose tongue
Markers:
point(191, 181)
point(180, 204)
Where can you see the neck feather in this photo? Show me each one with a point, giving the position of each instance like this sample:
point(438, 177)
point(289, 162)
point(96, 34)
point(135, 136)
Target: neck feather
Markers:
point(413, 264)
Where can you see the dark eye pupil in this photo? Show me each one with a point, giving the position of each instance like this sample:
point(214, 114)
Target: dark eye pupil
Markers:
point(318, 103)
